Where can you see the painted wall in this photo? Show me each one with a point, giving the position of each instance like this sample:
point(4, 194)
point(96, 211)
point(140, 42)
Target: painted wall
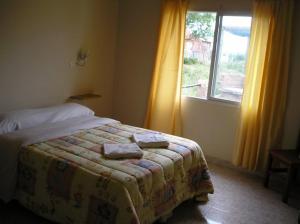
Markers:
point(39, 41)
point(136, 46)
point(292, 118)
point(211, 124)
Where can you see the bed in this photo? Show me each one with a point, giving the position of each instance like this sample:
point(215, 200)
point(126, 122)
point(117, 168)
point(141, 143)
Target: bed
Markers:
point(56, 169)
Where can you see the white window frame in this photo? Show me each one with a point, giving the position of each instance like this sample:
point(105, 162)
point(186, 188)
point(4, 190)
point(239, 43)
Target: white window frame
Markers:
point(215, 55)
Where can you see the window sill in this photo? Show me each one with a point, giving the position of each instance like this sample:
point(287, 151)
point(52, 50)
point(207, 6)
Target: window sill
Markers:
point(213, 101)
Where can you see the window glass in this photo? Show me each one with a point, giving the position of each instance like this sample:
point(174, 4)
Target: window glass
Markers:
point(231, 59)
point(199, 38)
point(221, 58)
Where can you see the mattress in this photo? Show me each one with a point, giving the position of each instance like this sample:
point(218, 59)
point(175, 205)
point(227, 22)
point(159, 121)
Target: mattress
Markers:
point(67, 180)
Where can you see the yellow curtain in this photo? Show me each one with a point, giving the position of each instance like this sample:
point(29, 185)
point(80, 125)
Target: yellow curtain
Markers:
point(265, 91)
point(163, 113)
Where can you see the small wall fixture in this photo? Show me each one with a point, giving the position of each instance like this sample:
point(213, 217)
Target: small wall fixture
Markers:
point(85, 96)
point(81, 58)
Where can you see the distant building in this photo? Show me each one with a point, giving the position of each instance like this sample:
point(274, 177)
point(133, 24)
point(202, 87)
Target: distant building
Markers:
point(197, 48)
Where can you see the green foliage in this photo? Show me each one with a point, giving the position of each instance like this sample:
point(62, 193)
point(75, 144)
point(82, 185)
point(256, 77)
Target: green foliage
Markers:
point(201, 24)
point(236, 64)
point(190, 61)
point(192, 73)
point(237, 57)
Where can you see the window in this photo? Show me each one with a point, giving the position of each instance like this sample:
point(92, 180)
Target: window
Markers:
point(215, 55)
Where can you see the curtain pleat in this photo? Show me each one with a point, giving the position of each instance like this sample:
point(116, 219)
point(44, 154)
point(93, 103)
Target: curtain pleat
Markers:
point(265, 91)
point(163, 112)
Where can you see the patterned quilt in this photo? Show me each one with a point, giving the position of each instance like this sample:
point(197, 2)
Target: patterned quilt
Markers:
point(67, 179)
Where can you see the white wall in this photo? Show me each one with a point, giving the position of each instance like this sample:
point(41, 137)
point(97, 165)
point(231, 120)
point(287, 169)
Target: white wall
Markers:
point(224, 5)
point(38, 41)
point(136, 46)
point(292, 118)
point(211, 124)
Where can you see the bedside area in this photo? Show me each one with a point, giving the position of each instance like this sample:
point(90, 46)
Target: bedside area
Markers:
point(90, 100)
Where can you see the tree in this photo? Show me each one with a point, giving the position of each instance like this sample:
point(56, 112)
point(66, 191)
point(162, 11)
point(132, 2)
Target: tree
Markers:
point(200, 24)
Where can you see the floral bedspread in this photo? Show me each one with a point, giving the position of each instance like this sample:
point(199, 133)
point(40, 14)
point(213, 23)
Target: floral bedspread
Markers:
point(67, 179)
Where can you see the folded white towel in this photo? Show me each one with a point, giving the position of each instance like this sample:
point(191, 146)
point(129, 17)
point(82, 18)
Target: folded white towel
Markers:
point(122, 151)
point(150, 140)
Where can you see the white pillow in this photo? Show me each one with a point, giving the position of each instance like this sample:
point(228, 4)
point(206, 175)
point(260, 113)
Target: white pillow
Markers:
point(28, 118)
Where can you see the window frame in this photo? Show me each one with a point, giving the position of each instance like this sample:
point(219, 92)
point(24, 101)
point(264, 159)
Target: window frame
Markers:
point(215, 54)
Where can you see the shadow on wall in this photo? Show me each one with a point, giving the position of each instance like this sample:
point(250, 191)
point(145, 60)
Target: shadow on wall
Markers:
point(39, 45)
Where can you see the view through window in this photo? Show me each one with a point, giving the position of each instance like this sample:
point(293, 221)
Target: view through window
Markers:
point(215, 55)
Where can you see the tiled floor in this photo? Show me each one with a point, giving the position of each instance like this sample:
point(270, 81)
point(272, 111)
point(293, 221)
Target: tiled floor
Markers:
point(238, 198)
